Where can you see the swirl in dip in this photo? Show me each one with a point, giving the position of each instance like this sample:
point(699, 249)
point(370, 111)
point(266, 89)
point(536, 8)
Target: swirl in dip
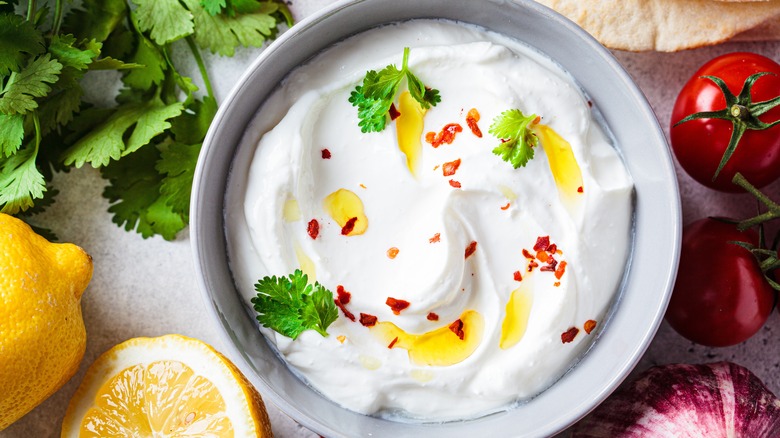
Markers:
point(506, 271)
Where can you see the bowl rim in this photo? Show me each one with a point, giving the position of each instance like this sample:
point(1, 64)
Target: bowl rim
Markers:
point(202, 230)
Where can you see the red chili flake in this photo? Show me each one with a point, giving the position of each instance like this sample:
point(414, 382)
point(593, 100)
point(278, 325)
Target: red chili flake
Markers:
point(457, 328)
point(392, 252)
point(542, 243)
point(446, 135)
point(550, 266)
point(325, 154)
point(542, 256)
point(471, 119)
point(579, 189)
point(349, 226)
point(394, 113)
point(527, 254)
point(313, 228)
point(589, 326)
point(344, 296)
point(449, 168)
point(393, 342)
point(569, 335)
point(454, 183)
point(561, 269)
point(436, 237)
point(471, 248)
point(518, 276)
point(531, 265)
point(552, 249)
point(432, 317)
point(396, 305)
point(506, 206)
point(557, 283)
point(367, 320)
point(343, 308)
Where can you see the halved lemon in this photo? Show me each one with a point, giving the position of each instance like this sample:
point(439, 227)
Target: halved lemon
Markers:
point(165, 387)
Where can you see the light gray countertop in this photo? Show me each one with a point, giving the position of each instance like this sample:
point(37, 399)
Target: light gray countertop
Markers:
point(148, 288)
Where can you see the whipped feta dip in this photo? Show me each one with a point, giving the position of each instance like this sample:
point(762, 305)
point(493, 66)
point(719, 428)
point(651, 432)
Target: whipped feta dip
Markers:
point(508, 273)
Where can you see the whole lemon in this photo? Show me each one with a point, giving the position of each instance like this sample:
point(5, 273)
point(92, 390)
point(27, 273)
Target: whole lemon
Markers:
point(42, 335)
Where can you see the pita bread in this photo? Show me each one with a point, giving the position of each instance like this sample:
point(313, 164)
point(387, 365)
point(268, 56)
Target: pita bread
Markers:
point(668, 25)
point(769, 30)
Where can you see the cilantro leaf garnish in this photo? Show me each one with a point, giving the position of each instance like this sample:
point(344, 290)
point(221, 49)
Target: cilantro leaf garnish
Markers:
point(222, 33)
point(165, 20)
point(517, 141)
point(134, 191)
point(18, 38)
point(146, 138)
point(290, 305)
point(18, 96)
point(20, 180)
point(377, 92)
point(214, 7)
point(109, 140)
point(11, 134)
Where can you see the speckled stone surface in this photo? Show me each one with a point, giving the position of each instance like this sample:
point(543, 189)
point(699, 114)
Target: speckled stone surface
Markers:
point(147, 287)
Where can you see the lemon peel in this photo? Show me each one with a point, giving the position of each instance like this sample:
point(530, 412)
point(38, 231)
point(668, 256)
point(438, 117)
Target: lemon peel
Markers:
point(42, 334)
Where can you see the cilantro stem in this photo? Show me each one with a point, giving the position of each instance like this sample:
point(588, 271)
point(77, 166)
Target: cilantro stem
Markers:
point(30, 10)
point(37, 124)
point(201, 66)
point(55, 28)
point(405, 63)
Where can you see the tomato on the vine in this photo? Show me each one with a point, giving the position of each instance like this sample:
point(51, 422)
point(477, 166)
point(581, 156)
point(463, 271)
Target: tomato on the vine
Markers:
point(720, 297)
point(702, 143)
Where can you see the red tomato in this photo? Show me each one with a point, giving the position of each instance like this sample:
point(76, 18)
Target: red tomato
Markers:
point(721, 297)
point(699, 144)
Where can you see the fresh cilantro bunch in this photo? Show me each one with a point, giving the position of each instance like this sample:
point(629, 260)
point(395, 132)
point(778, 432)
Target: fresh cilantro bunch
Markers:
point(374, 97)
point(147, 144)
point(290, 305)
point(517, 141)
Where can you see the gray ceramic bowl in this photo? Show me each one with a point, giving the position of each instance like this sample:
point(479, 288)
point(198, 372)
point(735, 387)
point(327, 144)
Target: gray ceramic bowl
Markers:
point(635, 315)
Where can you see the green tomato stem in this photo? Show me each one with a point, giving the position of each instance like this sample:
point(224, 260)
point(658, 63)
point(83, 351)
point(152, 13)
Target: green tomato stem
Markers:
point(740, 112)
point(773, 209)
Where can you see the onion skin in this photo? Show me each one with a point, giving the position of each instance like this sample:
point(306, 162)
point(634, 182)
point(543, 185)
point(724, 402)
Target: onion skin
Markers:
point(717, 400)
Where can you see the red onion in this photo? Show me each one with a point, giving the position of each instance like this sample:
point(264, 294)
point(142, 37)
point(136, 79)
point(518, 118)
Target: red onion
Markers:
point(685, 401)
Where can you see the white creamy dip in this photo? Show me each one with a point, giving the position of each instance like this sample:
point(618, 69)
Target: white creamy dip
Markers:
point(501, 359)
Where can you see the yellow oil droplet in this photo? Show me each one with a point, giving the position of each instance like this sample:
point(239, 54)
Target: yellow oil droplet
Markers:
point(439, 347)
point(306, 264)
point(409, 130)
point(507, 192)
point(563, 164)
point(370, 363)
point(291, 212)
point(421, 376)
point(343, 205)
point(518, 309)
